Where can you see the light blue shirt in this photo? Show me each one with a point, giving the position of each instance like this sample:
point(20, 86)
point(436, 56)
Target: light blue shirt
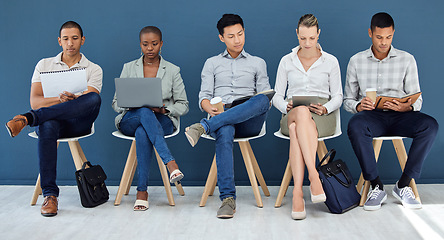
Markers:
point(232, 78)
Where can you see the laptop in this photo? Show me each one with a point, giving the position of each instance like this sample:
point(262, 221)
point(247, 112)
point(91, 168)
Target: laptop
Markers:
point(139, 92)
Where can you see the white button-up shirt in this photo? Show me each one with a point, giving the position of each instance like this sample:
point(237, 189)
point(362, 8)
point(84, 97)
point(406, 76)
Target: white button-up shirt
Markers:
point(323, 79)
point(394, 76)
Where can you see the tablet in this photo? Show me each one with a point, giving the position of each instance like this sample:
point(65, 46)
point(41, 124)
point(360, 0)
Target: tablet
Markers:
point(305, 100)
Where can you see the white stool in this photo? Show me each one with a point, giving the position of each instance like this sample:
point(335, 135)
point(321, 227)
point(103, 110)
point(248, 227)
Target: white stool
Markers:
point(77, 155)
point(251, 165)
point(130, 169)
point(321, 151)
point(398, 144)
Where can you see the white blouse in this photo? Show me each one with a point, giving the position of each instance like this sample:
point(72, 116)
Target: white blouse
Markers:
point(323, 79)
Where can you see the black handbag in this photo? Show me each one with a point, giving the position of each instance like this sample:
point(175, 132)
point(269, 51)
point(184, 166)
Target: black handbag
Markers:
point(91, 184)
point(338, 184)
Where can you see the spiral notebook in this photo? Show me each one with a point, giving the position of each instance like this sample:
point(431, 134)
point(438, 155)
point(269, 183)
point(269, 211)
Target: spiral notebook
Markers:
point(55, 82)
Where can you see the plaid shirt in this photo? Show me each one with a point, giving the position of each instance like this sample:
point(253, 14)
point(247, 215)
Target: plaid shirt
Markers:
point(394, 76)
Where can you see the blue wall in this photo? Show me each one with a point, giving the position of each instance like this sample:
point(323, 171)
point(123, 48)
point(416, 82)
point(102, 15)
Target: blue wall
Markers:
point(29, 30)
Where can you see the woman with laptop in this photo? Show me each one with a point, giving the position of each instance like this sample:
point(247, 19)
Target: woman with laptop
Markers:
point(310, 72)
point(149, 125)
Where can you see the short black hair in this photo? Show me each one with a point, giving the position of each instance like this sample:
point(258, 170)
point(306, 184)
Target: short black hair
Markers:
point(382, 20)
point(71, 24)
point(151, 29)
point(227, 20)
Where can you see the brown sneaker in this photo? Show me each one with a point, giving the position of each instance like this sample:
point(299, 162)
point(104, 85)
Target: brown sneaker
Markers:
point(16, 125)
point(49, 206)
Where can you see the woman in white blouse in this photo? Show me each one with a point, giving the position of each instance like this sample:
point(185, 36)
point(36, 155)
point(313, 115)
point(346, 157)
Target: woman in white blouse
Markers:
point(309, 71)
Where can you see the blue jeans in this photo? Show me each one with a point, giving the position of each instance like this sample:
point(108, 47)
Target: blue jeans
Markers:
point(69, 119)
point(366, 125)
point(149, 128)
point(244, 120)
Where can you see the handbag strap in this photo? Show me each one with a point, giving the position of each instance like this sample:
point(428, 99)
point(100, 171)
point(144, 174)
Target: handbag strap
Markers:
point(86, 163)
point(346, 177)
point(330, 154)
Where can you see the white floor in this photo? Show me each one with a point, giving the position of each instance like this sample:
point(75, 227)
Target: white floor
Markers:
point(186, 220)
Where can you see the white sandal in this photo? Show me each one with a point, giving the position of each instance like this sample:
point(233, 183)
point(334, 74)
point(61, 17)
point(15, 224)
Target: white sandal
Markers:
point(141, 205)
point(176, 176)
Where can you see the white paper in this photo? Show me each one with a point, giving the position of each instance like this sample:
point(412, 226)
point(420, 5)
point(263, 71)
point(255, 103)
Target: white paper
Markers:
point(54, 83)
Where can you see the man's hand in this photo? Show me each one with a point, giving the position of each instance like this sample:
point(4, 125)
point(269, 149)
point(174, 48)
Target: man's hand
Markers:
point(318, 109)
point(66, 96)
point(395, 105)
point(213, 111)
point(207, 107)
point(366, 105)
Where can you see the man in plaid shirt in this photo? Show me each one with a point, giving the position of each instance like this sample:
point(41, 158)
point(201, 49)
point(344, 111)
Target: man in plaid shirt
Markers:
point(391, 72)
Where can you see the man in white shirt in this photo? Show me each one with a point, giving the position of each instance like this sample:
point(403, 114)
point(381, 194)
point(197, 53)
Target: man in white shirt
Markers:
point(68, 115)
point(391, 72)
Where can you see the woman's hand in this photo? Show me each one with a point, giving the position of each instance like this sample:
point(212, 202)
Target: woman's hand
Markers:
point(289, 105)
point(161, 110)
point(318, 109)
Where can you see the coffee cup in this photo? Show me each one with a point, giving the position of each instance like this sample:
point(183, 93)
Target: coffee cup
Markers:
point(371, 93)
point(217, 103)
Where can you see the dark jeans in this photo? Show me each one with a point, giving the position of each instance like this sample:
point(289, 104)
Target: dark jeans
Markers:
point(149, 128)
point(69, 119)
point(244, 120)
point(366, 125)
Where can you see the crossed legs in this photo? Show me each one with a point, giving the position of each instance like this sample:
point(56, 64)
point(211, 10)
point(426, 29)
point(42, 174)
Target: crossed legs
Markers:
point(303, 145)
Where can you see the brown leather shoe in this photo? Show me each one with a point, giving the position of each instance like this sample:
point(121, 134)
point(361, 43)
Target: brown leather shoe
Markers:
point(49, 206)
point(16, 125)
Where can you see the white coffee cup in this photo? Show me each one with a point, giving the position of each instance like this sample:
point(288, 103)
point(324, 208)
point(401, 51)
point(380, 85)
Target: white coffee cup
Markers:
point(371, 93)
point(217, 103)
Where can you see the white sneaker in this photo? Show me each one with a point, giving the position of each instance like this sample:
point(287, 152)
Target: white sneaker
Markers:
point(374, 199)
point(406, 196)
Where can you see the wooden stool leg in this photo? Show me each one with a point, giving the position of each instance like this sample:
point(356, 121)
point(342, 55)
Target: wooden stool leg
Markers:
point(284, 185)
point(257, 171)
point(77, 154)
point(125, 181)
point(211, 180)
point(250, 170)
point(377, 143)
point(398, 144)
point(165, 179)
point(37, 192)
point(179, 188)
point(360, 184)
point(321, 150)
point(213, 183)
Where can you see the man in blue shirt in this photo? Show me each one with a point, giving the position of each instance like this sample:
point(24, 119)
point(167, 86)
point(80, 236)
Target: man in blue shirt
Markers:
point(231, 75)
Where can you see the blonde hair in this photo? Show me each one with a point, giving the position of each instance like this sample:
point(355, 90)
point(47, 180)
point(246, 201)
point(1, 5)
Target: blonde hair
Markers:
point(308, 20)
